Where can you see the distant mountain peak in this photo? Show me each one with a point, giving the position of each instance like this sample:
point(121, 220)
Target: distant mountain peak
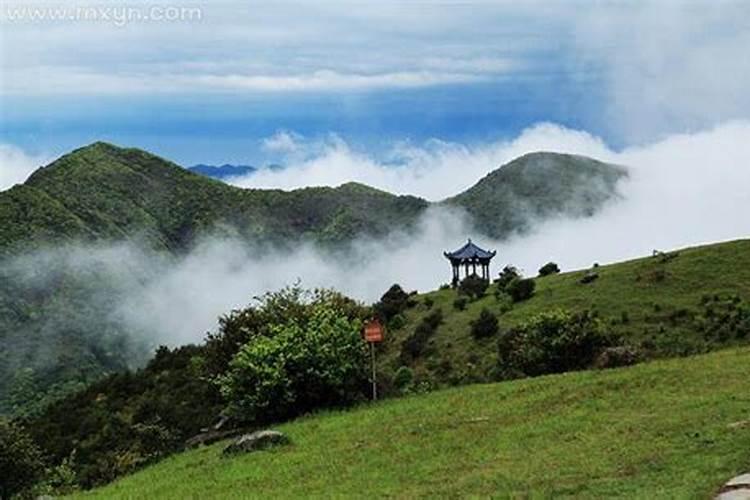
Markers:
point(221, 172)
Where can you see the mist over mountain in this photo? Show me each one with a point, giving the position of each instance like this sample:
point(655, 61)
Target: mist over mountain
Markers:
point(109, 251)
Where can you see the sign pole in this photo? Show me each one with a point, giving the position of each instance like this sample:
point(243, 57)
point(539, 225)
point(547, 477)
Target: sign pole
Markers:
point(374, 381)
point(373, 333)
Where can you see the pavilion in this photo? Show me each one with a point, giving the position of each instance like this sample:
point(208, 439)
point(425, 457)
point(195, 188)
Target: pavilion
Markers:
point(469, 256)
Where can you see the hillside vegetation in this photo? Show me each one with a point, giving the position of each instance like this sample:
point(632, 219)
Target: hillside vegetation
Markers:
point(270, 371)
point(684, 302)
point(103, 194)
point(667, 429)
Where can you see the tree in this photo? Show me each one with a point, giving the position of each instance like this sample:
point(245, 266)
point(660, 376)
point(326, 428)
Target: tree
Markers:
point(21, 464)
point(314, 361)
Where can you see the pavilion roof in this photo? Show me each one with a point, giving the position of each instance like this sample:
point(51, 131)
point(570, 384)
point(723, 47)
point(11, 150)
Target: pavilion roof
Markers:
point(470, 251)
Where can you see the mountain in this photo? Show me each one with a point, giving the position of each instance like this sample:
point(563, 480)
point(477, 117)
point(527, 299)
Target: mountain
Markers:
point(58, 330)
point(222, 172)
point(537, 186)
point(103, 192)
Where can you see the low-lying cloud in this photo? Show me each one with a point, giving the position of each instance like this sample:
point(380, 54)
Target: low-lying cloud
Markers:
point(685, 190)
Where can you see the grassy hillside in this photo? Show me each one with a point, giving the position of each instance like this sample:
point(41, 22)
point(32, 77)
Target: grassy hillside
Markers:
point(693, 301)
point(668, 429)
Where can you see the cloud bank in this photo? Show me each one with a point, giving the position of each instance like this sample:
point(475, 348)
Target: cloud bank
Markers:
point(16, 165)
point(684, 190)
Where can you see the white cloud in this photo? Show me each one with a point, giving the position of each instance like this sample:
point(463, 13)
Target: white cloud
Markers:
point(667, 66)
point(16, 165)
point(282, 142)
point(434, 170)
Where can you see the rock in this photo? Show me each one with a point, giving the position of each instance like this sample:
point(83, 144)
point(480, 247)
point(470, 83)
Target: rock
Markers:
point(589, 277)
point(258, 440)
point(613, 357)
point(209, 437)
point(737, 488)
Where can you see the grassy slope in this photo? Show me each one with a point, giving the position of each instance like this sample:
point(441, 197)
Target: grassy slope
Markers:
point(632, 287)
point(654, 430)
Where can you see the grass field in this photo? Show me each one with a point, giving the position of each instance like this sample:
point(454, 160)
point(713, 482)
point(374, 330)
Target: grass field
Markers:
point(666, 429)
point(680, 306)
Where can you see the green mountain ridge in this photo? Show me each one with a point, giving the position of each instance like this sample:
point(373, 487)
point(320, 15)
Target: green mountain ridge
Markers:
point(103, 192)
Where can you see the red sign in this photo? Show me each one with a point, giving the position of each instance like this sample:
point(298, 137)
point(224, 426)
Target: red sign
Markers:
point(373, 331)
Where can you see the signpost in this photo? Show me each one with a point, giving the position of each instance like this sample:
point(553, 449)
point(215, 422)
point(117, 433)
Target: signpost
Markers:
point(373, 333)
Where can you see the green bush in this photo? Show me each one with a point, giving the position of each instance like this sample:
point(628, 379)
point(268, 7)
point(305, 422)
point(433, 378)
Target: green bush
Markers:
point(394, 301)
point(403, 378)
point(312, 362)
point(520, 289)
point(549, 268)
point(415, 344)
point(21, 464)
point(508, 274)
point(460, 303)
point(485, 325)
point(473, 286)
point(552, 342)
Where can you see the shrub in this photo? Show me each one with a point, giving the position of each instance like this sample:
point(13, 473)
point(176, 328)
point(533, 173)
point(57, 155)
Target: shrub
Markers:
point(304, 364)
point(473, 286)
point(521, 289)
point(551, 342)
point(460, 303)
point(549, 268)
point(485, 325)
point(394, 301)
point(21, 464)
point(397, 322)
point(415, 344)
point(508, 274)
point(403, 378)
point(429, 302)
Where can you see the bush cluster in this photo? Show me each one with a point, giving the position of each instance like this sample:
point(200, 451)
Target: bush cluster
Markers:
point(312, 362)
point(520, 289)
point(415, 344)
point(393, 302)
point(551, 342)
point(21, 464)
point(486, 325)
point(549, 268)
point(473, 287)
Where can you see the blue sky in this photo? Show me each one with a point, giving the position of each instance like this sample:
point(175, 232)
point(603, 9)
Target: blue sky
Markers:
point(210, 88)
